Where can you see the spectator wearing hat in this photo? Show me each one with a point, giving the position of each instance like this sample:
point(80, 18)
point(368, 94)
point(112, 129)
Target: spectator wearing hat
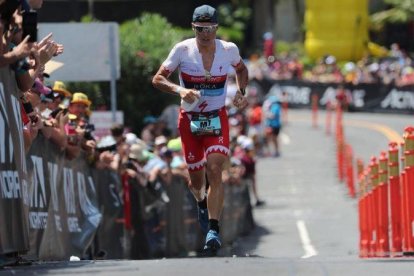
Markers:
point(137, 158)
point(178, 161)
point(79, 104)
point(138, 179)
point(159, 165)
point(132, 138)
point(38, 93)
point(46, 97)
point(166, 155)
point(41, 96)
point(62, 98)
point(72, 117)
point(105, 151)
point(159, 143)
point(178, 164)
point(157, 169)
point(55, 100)
point(60, 87)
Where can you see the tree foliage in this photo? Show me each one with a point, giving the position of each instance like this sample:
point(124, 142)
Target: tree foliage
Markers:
point(145, 43)
point(400, 11)
point(234, 17)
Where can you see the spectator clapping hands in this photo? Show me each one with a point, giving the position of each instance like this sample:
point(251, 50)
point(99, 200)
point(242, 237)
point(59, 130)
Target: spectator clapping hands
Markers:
point(48, 49)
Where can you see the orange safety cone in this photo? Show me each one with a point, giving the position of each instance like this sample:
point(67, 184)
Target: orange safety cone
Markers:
point(383, 246)
point(408, 189)
point(340, 150)
point(373, 177)
point(350, 171)
point(395, 199)
point(341, 157)
point(403, 193)
point(338, 121)
point(363, 212)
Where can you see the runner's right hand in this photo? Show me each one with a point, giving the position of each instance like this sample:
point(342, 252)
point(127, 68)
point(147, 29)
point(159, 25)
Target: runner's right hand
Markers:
point(189, 95)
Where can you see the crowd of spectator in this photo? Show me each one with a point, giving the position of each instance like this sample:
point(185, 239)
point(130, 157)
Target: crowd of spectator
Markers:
point(396, 68)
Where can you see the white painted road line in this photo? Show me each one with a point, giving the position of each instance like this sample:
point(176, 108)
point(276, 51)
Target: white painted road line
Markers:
point(306, 242)
point(284, 138)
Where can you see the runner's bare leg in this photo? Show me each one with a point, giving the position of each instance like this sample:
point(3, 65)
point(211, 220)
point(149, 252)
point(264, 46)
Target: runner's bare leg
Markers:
point(197, 185)
point(215, 198)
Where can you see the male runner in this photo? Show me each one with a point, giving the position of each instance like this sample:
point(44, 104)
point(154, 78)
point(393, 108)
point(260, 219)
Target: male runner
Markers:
point(203, 63)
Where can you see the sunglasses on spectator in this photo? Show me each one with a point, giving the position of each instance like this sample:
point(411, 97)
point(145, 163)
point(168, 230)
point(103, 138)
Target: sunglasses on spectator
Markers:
point(206, 29)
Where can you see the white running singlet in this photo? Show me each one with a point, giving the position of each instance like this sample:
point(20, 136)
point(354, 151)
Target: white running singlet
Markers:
point(212, 85)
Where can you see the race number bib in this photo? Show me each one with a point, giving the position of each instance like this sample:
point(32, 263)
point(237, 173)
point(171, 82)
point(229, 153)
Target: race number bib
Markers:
point(205, 125)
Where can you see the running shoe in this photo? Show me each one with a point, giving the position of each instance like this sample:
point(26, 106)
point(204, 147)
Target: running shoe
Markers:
point(212, 245)
point(203, 219)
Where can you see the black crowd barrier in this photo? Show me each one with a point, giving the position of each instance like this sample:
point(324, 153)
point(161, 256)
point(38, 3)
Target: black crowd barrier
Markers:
point(111, 236)
point(14, 199)
point(63, 210)
point(373, 97)
point(171, 228)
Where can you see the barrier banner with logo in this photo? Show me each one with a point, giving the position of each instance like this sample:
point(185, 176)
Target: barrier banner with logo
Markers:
point(369, 97)
point(182, 228)
point(111, 237)
point(235, 212)
point(14, 235)
point(63, 213)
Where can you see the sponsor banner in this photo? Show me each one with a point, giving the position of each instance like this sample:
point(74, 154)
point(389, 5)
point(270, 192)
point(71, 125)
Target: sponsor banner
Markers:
point(111, 236)
point(362, 97)
point(14, 236)
point(235, 212)
point(182, 228)
point(63, 211)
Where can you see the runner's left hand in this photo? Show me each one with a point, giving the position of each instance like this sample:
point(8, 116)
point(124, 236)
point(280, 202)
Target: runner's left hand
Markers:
point(240, 101)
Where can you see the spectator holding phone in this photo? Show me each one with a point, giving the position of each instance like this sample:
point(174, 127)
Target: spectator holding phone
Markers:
point(59, 114)
point(29, 67)
point(23, 49)
point(76, 135)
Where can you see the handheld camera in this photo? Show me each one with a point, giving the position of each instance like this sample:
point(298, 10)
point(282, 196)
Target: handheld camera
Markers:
point(30, 25)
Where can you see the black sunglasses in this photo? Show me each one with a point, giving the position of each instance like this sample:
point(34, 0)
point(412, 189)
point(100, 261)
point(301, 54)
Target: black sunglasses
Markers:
point(206, 29)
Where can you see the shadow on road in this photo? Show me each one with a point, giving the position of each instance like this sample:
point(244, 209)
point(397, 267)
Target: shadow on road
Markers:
point(243, 246)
